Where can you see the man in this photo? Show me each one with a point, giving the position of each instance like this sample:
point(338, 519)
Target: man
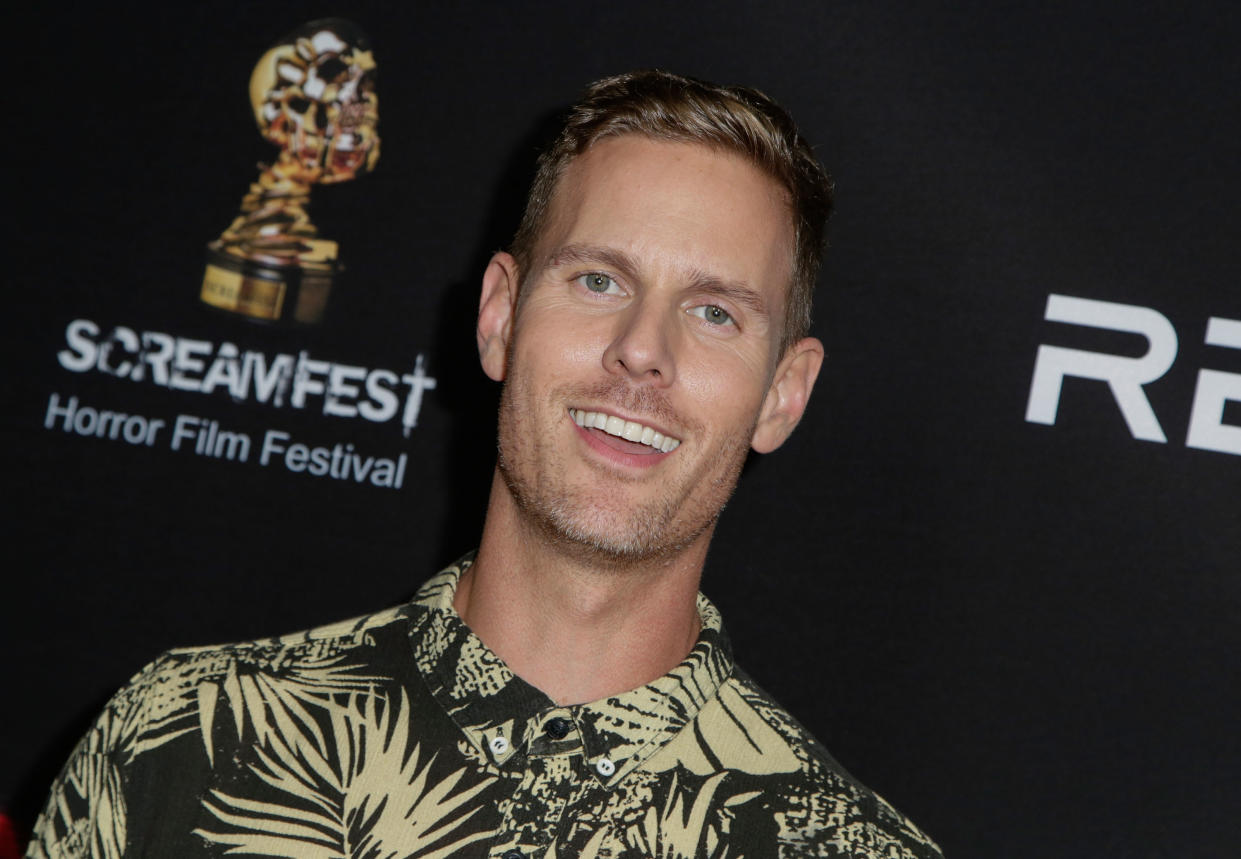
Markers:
point(566, 691)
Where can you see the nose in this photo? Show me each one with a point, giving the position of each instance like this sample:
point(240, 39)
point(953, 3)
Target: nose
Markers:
point(642, 346)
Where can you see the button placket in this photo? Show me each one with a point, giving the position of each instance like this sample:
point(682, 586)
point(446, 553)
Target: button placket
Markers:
point(552, 781)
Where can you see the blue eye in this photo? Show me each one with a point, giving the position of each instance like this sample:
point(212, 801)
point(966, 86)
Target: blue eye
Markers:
point(599, 283)
point(712, 313)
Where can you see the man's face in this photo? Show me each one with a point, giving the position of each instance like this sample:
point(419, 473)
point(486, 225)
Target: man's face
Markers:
point(643, 349)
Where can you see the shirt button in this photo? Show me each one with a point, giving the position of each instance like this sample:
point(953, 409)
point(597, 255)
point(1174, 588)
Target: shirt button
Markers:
point(557, 728)
point(605, 767)
point(512, 854)
point(499, 746)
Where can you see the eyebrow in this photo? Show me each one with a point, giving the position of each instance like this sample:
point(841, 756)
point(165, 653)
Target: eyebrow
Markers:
point(735, 291)
point(588, 254)
point(699, 281)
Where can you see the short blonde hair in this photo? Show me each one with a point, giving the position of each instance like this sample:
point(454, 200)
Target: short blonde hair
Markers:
point(664, 106)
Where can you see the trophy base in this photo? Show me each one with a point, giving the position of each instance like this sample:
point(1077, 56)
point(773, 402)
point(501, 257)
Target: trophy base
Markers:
point(291, 294)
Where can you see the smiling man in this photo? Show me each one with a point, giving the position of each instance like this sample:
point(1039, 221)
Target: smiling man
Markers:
point(652, 307)
point(565, 691)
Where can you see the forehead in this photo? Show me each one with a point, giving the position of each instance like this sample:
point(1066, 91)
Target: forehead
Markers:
point(676, 206)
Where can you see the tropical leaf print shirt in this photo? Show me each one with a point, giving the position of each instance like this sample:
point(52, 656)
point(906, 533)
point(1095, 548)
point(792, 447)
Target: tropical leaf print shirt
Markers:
point(401, 735)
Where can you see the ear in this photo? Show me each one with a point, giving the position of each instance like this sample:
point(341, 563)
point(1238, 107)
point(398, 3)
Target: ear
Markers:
point(496, 309)
point(788, 395)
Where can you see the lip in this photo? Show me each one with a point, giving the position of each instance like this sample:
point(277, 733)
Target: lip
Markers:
point(619, 457)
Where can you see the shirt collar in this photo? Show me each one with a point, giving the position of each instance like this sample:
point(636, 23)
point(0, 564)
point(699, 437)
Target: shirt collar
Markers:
point(504, 717)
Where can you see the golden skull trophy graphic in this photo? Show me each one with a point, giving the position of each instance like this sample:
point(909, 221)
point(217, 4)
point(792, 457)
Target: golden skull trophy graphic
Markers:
point(313, 95)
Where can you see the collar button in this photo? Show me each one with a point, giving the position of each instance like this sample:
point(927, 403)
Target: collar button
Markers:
point(558, 728)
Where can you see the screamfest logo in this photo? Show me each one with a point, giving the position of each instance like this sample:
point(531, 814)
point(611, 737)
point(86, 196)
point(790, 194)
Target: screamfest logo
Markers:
point(282, 380)
point(313, 95)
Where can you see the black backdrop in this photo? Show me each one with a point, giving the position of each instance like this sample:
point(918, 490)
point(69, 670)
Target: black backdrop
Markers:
point(1024, 635)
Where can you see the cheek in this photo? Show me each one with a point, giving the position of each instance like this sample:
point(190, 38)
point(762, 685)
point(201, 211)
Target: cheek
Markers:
point(730, 388)
point(555, 346)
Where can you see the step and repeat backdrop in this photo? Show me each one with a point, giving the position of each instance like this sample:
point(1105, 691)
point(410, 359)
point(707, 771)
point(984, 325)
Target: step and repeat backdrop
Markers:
point(997, 570)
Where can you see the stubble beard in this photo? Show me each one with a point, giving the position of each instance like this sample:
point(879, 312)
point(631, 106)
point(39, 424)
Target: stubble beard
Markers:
point(581, 519)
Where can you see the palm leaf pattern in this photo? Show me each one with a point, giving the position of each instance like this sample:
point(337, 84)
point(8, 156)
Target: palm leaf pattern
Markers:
point(402, 736)
point(101, 830)
point(86, 811)
point(274, 705)
point(354, 790)
point(679, 832)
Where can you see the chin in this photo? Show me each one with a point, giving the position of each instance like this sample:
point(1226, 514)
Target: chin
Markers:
point(607, 530)
point(632, 535)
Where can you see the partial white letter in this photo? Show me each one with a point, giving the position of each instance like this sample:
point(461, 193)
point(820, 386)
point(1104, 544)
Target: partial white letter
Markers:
point(1125, 376)
point(79, 335)
point(1207, 429)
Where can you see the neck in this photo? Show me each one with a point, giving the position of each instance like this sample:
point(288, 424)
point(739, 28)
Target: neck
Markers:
point(576, 627)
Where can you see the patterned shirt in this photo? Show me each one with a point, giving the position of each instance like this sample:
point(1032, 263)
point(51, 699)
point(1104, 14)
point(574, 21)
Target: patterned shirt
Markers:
point(401, 735)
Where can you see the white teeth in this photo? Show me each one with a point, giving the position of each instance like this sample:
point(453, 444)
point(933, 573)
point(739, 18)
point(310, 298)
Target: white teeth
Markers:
point(629, 430)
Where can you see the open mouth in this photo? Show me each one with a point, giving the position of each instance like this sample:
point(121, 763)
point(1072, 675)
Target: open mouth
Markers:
point(630, 431)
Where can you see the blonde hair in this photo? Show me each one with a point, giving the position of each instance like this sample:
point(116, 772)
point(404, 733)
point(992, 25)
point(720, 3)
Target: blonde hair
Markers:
point(664, 106)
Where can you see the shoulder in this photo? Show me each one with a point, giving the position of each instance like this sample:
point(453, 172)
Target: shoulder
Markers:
point(172, 718)
point(339, 656)
point(819, 807)
point(186, 671)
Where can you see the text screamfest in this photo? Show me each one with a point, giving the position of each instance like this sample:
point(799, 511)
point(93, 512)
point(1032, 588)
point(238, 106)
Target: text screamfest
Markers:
point(200, 366)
